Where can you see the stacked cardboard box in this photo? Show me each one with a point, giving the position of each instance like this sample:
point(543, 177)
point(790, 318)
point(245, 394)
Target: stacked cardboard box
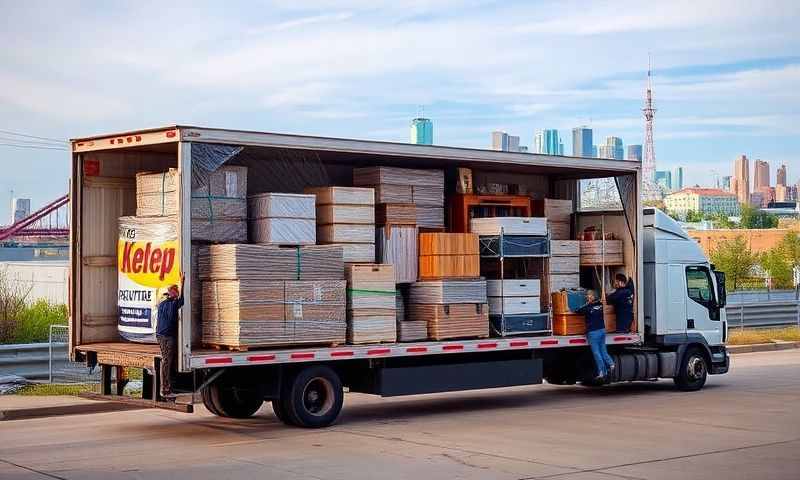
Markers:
point(423, 188)
point(346, 216)
point(262, 295)
point(563, 265)
point(371, 304)
point(448, 255)
point(452, 308)
point(601, 252)
point(218, 207)
point(558, 213)
point(408, 330)
point(282, 219)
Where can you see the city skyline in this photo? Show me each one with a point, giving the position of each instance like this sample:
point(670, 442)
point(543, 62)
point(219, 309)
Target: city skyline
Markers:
point(722, 86)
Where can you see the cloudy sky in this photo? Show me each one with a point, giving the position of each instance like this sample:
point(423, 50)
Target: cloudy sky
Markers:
point(727, 74)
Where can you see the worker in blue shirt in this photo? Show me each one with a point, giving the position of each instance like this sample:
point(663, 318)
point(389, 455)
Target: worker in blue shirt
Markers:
point(622, 300)
point(596, 335)
point(167, 333)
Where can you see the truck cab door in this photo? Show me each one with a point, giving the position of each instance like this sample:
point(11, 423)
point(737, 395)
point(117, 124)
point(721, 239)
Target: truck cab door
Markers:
point(703, 313)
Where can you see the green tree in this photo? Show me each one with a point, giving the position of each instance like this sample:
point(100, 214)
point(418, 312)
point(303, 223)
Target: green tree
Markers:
point(720, 220)
point(791, 248)
point(776, 263)
point(735, 259)
point(754, 218)
point(692, 216)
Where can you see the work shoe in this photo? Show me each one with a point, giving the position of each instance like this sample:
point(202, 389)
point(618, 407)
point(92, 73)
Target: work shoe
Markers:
point(611, 369)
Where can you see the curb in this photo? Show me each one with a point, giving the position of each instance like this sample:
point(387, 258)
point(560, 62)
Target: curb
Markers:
point(80, 409)
point(762, 347)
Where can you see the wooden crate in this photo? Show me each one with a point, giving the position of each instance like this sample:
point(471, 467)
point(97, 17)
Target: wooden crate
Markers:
point(448, 244)
point(460, 320)
point(449, 266)
point(575, 323)
point(559, 230)
point(555, 210)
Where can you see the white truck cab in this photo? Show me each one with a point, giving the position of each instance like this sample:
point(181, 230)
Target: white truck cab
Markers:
point(684, 297)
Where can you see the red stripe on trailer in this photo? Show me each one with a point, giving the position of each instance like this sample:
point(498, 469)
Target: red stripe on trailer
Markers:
point(577, 341)
point(487, 345)
point(453, 347)
point(548, 342)
point(260, 358)
point(622, 339)
point(379, 351)
point(218, 360)
point(302, 356)
point(416, 349)
point(519, 343)
point(344, 353)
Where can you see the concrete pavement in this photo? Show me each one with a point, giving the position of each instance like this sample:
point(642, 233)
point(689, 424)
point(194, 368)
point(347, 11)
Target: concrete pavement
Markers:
point(741, 426)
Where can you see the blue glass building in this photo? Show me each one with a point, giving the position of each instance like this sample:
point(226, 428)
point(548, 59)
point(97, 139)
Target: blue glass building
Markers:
point(422, 131)
point(582, 142)
point(547, 142)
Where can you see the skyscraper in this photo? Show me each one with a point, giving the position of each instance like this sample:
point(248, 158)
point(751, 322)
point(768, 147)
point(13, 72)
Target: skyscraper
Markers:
point(500, 141)
point(781, 176)
point(612, 149)
point(547, 142)
point(582, 142)
point(741, 179)
point(422, 131)
point(760, 174)
point(634, 152)
point(677, 179)
point(504, 142)
point(664, 180)
point(726, 183)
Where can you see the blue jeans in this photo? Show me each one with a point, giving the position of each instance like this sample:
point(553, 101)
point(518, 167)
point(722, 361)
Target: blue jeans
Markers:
point(597, 342)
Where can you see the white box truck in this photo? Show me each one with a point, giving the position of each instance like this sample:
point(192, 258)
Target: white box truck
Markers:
point(679, 328)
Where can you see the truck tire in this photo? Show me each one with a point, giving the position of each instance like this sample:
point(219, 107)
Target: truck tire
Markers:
point(232, 401)
point(693, 371)
point(313, 398)
point(280, 412)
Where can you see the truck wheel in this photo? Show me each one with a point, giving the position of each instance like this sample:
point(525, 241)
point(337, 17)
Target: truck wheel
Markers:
point(280, 412)
point(233, 401)
point(693, 371)
point(209, 402)
point(313, 397)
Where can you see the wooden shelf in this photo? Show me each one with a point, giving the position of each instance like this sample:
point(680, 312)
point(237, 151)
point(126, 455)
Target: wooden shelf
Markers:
point(464, 207)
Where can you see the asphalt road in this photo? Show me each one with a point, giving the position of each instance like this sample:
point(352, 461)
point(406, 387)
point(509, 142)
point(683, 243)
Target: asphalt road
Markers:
point(742, 425)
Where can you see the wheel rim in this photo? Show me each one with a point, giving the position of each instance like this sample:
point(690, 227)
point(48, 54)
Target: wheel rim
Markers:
point(696, 368)
point(318, 396)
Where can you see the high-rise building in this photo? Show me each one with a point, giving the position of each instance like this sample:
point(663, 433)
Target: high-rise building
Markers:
point(767, 194)
point(664, 180)
point(677, 178)
point(594, 151)
point(582, 142)
point(422, 131)
point(504, 142)
point(634, 152)
point(20, 208)
point(500, 141)
point(702, 200)
point(781, 176)
point(547, 142)
point(613, 149)
point(741, 179)
point(760, 174)
point(726, 183)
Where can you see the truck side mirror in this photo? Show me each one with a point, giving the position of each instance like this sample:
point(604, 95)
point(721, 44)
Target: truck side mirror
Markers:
point(722, 297)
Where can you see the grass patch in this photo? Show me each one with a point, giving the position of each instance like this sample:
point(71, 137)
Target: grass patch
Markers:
point(33, 323)
point(47, 389)
point(763, 335)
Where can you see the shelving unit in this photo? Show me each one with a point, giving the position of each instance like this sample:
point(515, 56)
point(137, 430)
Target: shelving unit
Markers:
point(502, 247)
point(464, 207)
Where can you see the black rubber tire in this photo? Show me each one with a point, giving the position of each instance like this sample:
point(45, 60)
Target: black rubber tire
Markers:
point(208, 401)
point(280, 412)
point(313, 398)
point(693, 371)
point(234, 401)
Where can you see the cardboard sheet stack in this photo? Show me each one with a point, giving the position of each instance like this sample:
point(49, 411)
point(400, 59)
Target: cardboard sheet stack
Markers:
point(396, 239)
point(564, 265)
point(558, 213)
point(218, 208)
point(452, 308)
point(261, 295)
point(371, 303)
point(601, 252)
point(423, 188)
point(282, 219)
point(448, 255)
point(346, 216)
point(408, 330)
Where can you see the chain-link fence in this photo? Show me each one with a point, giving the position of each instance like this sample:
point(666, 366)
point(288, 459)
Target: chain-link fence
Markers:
point(61, 369)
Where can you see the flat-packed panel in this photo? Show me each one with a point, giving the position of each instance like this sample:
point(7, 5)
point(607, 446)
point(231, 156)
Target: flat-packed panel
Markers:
point(509, 226)
point(559, 230)
point(564, 265)
point(565, 248)
point(367, 176)
point(558, 281)
point(267, 262)
point(461, 320)
point(281, 205)
point(513, 288)
point(360, 214)
point(345, 233)
point(514, 305)
point(449, 266)
point(282, 231)
point(447, 292)
point(398, 246)
point(342, 195)
point(396, 214)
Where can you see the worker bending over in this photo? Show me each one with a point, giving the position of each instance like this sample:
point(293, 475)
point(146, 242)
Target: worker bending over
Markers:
point(596, 335)
point(622, 300)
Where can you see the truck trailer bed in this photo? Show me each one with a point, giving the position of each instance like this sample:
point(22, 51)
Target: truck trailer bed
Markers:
point(144, 355)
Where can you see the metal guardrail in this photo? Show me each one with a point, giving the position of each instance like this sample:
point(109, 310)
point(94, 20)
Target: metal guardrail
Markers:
point(753, 296)
point(763, 314)
point(29, 360)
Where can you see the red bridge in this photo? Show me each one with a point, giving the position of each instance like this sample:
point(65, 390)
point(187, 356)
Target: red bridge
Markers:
point(48, 224)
